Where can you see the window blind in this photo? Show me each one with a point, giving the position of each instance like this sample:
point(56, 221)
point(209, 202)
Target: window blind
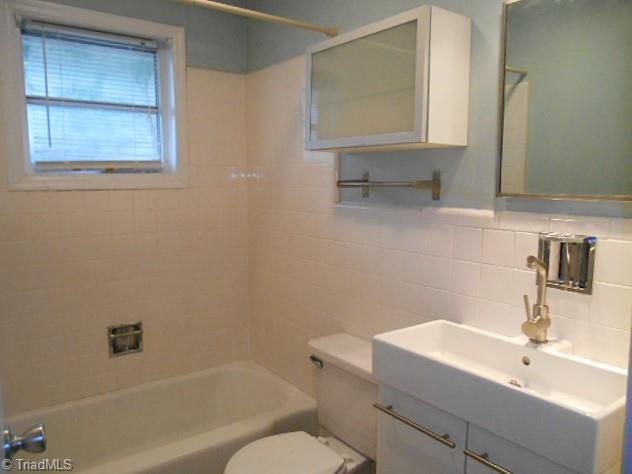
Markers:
point(92, 99)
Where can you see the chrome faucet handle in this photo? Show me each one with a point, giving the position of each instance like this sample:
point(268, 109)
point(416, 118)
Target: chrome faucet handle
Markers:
point(527, 307)
point(32, 440)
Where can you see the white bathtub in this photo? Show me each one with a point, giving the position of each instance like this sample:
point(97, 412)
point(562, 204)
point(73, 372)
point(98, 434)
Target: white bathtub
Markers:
point(189, 424)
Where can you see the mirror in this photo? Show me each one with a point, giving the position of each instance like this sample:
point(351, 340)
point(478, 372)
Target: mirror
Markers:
point(567, 100)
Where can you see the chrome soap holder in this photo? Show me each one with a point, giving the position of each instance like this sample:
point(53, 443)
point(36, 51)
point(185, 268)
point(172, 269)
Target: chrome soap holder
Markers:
point(125, 339)
point(570, 259)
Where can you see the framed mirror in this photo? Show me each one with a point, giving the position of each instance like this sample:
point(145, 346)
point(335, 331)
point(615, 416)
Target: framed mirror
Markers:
point(566, 108)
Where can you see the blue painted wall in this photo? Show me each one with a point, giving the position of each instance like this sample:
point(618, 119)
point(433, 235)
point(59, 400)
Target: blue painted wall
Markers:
point(269, 44)
point(214, 40)
point(229, 43)
point(469, 174)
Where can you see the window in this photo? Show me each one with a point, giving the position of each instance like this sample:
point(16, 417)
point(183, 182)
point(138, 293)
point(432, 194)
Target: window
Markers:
point(101, 101)
point(92, 102)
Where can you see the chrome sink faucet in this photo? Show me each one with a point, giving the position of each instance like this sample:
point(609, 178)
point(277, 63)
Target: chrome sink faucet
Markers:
point(538, 322)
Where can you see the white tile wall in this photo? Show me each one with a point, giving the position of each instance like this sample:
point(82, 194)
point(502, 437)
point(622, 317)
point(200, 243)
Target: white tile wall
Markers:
point(468, 244)
point(193, 264)
point(498, 247)
point(72, 263)
point(317, 268)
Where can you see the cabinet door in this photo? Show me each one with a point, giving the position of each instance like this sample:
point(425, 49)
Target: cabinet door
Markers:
point(404, 448)
point(365, 87)
point(505, 455)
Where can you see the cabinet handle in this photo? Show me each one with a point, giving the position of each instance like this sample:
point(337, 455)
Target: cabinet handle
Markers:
point(443, 439)
point(484, 459)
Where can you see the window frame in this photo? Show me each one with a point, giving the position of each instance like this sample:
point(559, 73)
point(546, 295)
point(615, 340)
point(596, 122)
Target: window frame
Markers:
point(14, 129)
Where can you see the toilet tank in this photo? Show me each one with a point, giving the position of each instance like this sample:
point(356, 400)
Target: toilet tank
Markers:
point(345, 390)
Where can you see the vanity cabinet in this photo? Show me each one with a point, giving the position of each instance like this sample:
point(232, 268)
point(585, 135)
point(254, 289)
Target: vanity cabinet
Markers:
point(407, 443)
point(403, 448)
point(533, 402)
point(399, 83)
point(485, 449)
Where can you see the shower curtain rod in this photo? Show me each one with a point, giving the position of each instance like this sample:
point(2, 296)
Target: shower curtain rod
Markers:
point(517, 70)
point(223, 7)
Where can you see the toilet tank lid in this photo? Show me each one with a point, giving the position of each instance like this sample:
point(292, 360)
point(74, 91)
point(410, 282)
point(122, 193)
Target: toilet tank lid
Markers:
point(346, 352)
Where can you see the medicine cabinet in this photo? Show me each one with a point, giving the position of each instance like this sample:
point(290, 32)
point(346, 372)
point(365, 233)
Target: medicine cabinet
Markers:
point(399, 83)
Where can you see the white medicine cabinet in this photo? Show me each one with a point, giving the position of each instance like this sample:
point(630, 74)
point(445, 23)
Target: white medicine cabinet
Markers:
point(399, 83)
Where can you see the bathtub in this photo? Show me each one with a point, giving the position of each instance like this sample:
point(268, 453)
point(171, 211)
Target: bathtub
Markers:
point(189, 424)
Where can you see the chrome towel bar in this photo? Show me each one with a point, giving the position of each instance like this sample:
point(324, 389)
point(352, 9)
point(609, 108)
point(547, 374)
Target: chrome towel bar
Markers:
point(365, 184)
point(443, 439)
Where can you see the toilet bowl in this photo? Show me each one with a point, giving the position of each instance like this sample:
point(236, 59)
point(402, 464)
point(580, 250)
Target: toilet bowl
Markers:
point(345, 393)
point(298, 452)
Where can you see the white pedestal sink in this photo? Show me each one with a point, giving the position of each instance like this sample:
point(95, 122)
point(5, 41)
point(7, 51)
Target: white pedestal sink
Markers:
point(566, 408)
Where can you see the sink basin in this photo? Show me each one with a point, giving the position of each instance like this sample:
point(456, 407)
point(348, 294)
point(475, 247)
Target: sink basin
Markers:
point(566, 408)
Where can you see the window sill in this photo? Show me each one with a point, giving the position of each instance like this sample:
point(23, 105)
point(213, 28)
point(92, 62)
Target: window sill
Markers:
point(98, 182)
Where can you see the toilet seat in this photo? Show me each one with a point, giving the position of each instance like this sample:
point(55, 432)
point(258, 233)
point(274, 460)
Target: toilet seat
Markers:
point(287, 453)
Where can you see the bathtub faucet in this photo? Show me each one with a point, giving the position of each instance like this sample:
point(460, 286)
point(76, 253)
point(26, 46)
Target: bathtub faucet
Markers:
point(32, 440)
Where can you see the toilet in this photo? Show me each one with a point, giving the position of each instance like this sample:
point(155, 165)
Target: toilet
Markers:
point(345, 392)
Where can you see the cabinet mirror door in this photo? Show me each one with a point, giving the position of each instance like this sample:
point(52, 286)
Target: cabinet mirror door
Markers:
point(365, 89)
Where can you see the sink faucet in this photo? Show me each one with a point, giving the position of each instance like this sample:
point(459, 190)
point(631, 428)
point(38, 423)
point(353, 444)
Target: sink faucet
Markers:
point(538, 321)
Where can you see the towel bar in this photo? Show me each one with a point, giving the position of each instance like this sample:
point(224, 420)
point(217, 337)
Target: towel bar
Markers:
point(365, 184)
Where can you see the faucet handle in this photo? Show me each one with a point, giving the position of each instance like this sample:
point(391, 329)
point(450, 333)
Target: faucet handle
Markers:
point(534, 262)
point(32, 440)
point(527, 307)
point(530, 329)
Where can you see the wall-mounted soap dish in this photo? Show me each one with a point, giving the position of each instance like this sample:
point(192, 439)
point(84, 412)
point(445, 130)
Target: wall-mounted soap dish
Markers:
point(125, 339)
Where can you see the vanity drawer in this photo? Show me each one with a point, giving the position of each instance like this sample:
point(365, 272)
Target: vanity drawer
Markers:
point(484, 450)
point(417, 438)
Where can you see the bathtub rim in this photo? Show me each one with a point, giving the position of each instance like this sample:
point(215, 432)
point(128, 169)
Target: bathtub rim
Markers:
point(295, 405)
point(93, 399)
point(298, 404)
